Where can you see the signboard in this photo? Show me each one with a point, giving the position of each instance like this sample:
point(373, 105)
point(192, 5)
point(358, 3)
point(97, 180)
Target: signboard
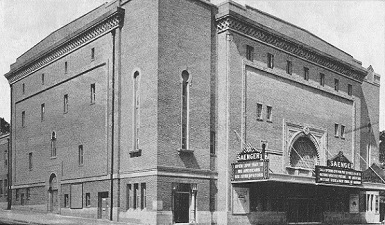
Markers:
point(250, 170)
point(339, 171)
point(250, 153)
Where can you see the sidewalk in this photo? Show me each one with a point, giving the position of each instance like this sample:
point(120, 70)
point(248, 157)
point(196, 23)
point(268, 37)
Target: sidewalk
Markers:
point(48, 218)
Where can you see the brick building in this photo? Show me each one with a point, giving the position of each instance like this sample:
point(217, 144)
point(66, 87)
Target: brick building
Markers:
point(4, 165)
point(139, 110)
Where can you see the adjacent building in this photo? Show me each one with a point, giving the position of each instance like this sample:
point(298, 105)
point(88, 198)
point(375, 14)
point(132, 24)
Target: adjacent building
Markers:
point(4, 162)
point(181, 111)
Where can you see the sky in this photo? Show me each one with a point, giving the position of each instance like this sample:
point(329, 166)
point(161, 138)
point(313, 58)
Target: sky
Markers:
point(356, 27)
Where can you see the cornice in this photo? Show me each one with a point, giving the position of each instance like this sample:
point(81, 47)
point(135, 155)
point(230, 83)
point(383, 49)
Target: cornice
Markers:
point(94, 31)
point(234, 24)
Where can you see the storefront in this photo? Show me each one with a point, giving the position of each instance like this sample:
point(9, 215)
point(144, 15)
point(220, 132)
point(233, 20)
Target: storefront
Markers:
point(334, 194)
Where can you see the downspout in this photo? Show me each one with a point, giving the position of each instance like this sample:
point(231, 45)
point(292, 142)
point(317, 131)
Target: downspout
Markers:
point(112, 126)
point(9, 174)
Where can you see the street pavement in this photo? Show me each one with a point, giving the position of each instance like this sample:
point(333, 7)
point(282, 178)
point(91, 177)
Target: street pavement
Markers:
point(37, 218)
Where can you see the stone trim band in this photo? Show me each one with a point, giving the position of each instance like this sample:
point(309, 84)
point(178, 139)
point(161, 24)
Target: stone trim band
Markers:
point(231, 23)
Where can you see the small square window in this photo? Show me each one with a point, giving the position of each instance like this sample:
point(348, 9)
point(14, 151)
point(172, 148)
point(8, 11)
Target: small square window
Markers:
point(259, 111)
point(249, 53)
point(336, 85)
point(92, 53)
point(350, 89)
point(322, 79)
point(306, 73)
point(42, 79)
point(269, 110)
point(270, 60)
point(289, 67)
point(88, 200)
point(342, 131)
point(336, 130)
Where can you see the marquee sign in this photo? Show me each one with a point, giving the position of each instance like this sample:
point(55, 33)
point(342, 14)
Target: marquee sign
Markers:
point(339, 170)
point(250, 165)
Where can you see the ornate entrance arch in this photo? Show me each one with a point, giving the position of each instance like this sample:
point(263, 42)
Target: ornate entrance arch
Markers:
point(304, 151)
point(53, 202)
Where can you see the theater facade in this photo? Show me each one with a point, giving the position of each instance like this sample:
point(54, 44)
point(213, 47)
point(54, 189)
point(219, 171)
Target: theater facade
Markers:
point(186, 112)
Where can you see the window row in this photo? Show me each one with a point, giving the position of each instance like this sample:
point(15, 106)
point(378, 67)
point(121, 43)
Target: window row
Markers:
point(42, 76)
point(23, 196)
point(65, 105)
point(136, 196)
point(3, 189)
point(53, 154)
point(289, 70)
point(339, 130)
point(260, 112)
point(67, 200)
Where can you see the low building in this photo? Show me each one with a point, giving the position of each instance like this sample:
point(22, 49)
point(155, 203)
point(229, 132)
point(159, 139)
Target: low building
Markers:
point(162, 112)
point(4, 163)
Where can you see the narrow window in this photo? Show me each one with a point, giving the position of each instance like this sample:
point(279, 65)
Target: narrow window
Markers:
point(65, 103)
point(269, 110)
point(336, 132)
point(336, 85)
point(42, 79)
point(93, 97)
point(53, 144)
point(369, 153)
point(289, 67)
point(136, 110)
point(306, 73)
point(350, 89)
point(342, 131)
point(6, 187)
point(1, 187)
point(23, 88)
point(322, 79)
point(66, 201)
point(17, 194)
point(65, 67)
point(30, 161)
point(5, 159)
point(270, 60)
point(42, 111)
point(28, 193)
point(23, 119)
point(249, 53)
point(143, 195)
point(88, 200)
point(92, 53)
point(136, 194)
point(259, 111)
point(212, 142)
point(129, 196)
point(185, 109)
point(81, 155)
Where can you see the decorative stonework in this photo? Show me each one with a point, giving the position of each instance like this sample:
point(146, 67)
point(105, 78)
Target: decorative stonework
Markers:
point(100, 29)
point(230, 23)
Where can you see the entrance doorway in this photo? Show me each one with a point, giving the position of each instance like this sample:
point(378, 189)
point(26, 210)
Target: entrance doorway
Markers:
point(53, 204)
point(303, 210)
point(184, 203)
point(103, 209)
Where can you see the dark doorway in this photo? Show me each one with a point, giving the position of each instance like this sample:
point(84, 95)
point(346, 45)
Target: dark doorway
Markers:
point(181, 207)
point(103, 202)
point(53, 194)
point(303, 210)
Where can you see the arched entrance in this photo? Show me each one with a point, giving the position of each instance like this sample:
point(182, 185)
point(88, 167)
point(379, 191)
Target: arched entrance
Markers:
point(303, 153)
point(53, 202)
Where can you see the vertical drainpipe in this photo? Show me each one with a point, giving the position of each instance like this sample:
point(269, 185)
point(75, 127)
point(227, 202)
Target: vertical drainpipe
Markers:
point(112, 125)
point(9, 174)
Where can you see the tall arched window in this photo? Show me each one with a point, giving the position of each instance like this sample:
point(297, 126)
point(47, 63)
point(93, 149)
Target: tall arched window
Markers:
point(136, 107)
point(185, 108)
point(53, 144)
